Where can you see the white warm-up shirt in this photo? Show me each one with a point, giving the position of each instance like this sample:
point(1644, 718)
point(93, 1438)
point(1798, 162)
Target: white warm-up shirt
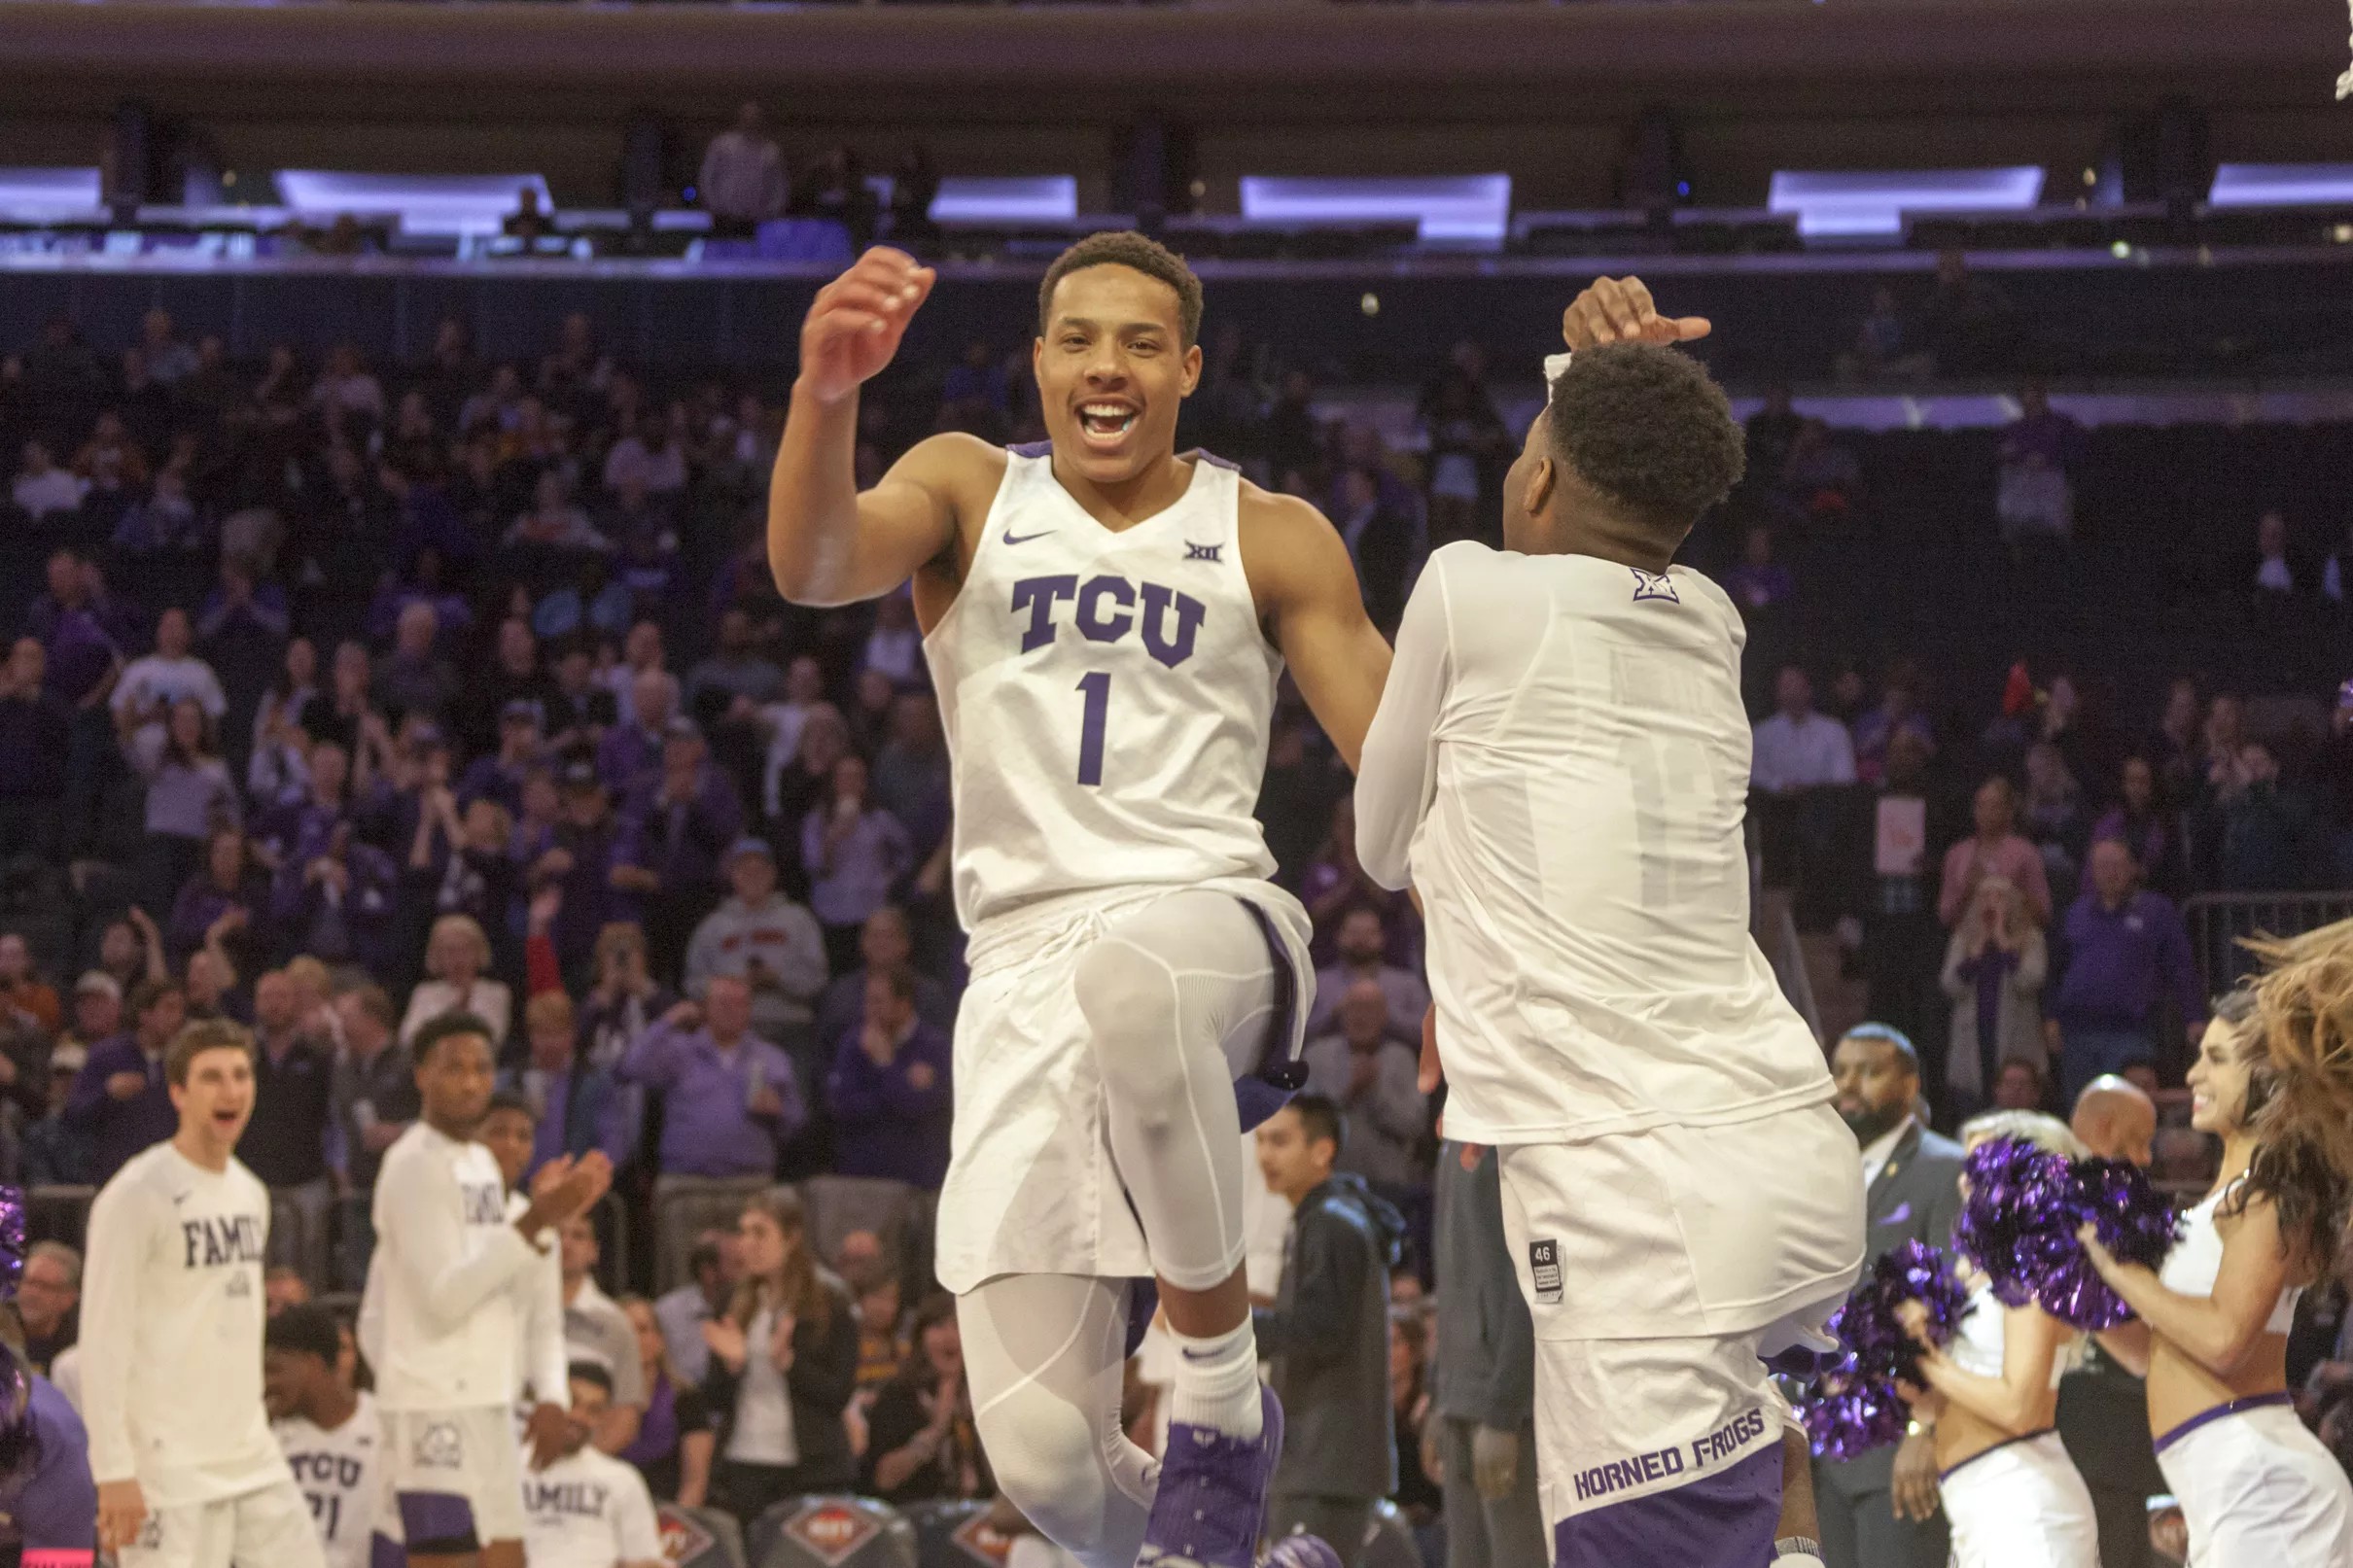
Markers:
point(588, 1511)
point(171, 1325)
point(449, 1280)
point(1559, 766)
point(340, 1472)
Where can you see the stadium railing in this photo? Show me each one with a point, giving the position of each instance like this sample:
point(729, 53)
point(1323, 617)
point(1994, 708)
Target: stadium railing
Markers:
point(2220, 924)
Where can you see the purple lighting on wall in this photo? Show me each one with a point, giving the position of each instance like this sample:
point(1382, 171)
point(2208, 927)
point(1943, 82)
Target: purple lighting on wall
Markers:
point(1844, 204)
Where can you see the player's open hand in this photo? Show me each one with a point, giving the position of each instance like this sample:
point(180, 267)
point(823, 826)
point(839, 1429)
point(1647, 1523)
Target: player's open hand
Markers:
point(856, 321)
point(122, 1511)
point(1620, 310)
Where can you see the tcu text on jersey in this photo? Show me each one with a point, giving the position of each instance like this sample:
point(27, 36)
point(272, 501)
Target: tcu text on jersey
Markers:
point(1106, 608)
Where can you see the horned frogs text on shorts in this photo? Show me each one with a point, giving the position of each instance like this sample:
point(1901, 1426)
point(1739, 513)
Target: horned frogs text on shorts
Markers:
point(1107, 698)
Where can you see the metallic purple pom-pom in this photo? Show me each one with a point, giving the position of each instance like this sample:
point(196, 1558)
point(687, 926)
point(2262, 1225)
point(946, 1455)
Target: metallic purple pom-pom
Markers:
point(2135, 1222)
point(1846, 1418)
point(1854, 1407)
point(11, 1240)
point(2018, 1222)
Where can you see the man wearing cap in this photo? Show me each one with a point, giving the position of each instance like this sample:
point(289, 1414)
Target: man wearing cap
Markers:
point(581, 862)
point(500, 777)
point(57, 1153)
point(768, 939)
point(97, 1009)
point(676, 827)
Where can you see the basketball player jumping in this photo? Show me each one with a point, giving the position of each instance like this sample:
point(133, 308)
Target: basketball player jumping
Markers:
point(1104, 621)
point(1561, 763)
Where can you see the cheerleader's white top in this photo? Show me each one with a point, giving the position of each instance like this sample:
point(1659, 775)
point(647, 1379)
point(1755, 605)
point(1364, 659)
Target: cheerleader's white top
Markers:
point(2196, 1260)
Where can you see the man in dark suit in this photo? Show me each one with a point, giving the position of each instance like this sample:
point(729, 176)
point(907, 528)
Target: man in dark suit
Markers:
point(2103, 1410)
point(1881, 1510)
point(1484, 1401)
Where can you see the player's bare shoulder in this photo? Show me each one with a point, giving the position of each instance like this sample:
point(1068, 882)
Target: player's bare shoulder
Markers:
point(961, 474)
point(1290, 551)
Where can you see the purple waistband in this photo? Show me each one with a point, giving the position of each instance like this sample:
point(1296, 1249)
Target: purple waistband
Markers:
point(2253, 1402)
point(2006, 1443)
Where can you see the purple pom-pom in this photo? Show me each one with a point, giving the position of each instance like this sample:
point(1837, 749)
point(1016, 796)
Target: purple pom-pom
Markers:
point(2018, 1222)
point(1846, 1418)
point(1855, 1408)
point(11, 1240)
point(2135, 1222)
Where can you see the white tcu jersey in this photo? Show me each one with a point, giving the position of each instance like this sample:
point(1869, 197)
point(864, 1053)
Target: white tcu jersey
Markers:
point(1106, 696)
point(1562, 758)
point(588, 1511)
point(171, 1328)
point(341, 1476)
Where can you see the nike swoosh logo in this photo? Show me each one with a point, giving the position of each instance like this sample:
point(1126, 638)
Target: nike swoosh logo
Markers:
point(1026, 537)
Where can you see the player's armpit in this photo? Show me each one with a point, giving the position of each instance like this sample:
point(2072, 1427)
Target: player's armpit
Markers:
point(830, 543)
point(1306, 589)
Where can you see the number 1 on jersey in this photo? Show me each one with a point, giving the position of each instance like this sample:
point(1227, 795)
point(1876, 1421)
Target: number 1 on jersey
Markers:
point(1098, 689)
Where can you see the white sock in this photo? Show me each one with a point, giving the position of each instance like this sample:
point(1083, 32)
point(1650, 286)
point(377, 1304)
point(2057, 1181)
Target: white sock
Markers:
point(1796, 1551)
point(1217, 1383)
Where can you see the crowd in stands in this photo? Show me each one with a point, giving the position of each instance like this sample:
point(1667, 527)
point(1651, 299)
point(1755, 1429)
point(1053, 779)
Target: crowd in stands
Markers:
point(339, 697)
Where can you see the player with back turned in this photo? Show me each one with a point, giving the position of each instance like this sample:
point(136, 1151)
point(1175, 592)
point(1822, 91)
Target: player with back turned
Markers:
point(1105, 620)
point(1561, 763)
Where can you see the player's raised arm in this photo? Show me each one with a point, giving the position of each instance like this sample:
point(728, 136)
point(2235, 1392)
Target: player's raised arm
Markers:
point(828, 544)
point(1399, 774)
point(1307, 592)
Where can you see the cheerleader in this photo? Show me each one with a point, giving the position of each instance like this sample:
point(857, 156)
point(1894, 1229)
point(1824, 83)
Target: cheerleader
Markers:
point(2274, 1081)
point(2010, 1493)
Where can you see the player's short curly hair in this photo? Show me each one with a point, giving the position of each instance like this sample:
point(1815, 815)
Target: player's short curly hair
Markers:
point(1649, 429)
point(1123, 247)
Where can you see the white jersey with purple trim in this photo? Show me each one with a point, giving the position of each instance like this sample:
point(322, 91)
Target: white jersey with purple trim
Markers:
point(1559, 766)
point(341, 1476)
point(1106, 696)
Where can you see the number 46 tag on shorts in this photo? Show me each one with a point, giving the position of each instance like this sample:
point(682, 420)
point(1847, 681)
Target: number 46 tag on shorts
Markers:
point(1544, 1267)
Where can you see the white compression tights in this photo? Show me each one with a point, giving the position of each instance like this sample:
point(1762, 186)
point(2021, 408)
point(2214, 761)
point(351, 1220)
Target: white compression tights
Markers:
point(1177, 997)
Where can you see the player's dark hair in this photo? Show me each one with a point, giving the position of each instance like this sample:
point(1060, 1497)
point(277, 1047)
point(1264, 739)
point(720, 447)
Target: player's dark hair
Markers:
point(1139, 253)
point(306, 1331)
point(447, 1027)
point(1648, 427)
point(1321, 1119)
point(196, 1038)
point(1889, 1036)
point(507, 1099)
point(592, 1373)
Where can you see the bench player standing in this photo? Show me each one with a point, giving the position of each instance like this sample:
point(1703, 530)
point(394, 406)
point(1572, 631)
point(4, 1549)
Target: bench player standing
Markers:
point(187, 1473)
point(1104, 620)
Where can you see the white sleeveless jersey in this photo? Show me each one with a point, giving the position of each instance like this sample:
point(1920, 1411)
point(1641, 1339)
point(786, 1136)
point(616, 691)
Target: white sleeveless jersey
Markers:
point(341, 1476)
point(1106, 696)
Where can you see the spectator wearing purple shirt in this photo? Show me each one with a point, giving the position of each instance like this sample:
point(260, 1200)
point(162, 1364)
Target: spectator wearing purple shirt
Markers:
point(729, 1098)
point(500, 777)
point(120, 1099)
point(854, 852)
point(224, 902)
point(578, 1105)
point(675, 833)
point(1759, 582)
point(2128, 952)
point(888, 1090)
point(36, 729)
point(631, 750)
point(82, 630)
